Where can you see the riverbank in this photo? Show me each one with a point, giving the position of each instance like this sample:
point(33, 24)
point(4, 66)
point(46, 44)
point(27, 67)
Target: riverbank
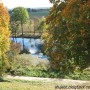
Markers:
point(27, 36)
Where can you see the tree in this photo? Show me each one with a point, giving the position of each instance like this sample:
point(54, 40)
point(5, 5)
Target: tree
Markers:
point(78, 34)
point(4, 38)
point(42, 26)
point(67, 39)
point(14, 27)
point(36, 22)
point(20, 14)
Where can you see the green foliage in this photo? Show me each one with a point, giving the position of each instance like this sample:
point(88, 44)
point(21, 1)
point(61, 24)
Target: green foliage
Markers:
point(14, 27)
point(42, 27)
point(37, 72)
point(28, 65)
point(67, 38)
point(23, 62)
point(85, 75)
point(13, 51)
point(1, 79)
point(20, 14)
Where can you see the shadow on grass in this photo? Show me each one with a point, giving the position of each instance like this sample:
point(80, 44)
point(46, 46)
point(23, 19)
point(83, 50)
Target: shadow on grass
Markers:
point(3, 80)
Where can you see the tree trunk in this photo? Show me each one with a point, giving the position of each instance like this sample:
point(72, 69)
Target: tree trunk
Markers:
point(1, 66)
point(16, 36)
point(34, 31)
point(22, 28)
point(22, 36)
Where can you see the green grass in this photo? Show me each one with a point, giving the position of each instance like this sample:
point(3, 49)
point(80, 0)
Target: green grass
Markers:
point(33, 85)
point(27, 85)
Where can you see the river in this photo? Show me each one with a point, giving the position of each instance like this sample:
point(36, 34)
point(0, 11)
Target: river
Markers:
point(34, 46)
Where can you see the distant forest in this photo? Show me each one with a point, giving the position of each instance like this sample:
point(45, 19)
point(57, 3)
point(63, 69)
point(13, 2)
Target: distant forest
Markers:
point(37, 12)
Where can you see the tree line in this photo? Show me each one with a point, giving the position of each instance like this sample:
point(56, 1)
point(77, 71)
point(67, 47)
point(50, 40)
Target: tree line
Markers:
point(31, 10)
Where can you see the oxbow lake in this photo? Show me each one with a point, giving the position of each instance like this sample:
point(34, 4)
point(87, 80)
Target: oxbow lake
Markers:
point(34, 46)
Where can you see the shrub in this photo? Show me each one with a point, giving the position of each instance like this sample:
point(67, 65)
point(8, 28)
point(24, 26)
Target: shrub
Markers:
point(13, 51)
point(25, 50)
point(1, 79)
point(27, 62)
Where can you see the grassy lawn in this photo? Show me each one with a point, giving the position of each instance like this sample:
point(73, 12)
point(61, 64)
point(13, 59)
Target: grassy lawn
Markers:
point(24, 86)
point(27, 85)
point(34, 85)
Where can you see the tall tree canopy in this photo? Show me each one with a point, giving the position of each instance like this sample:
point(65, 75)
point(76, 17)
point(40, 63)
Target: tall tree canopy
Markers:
point(20, 15)
point(67, 39)
point(42, 26)
point(4, 36)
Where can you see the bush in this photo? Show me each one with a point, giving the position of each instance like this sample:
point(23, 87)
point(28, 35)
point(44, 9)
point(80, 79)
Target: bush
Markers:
point(85, 75)
point(25, 50)
point(28, 65)
point(1, 79)
point(14, 50)
point(26, 62)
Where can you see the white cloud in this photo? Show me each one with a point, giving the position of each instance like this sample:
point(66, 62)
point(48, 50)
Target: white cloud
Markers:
point(27, 3)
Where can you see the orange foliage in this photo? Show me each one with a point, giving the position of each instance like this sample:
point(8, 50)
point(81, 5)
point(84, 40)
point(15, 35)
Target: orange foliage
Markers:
point(4, 37)
point(70, 27)
point(4, 30)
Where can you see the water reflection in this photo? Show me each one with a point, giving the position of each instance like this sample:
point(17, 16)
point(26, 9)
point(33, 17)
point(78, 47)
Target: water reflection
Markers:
point(34, 46)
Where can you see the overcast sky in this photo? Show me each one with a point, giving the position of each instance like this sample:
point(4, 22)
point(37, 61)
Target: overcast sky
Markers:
point(27, 3)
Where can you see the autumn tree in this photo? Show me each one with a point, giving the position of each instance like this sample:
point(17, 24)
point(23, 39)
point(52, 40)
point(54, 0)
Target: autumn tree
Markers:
point(78, 34)
point(4, 37)
point(67, 39)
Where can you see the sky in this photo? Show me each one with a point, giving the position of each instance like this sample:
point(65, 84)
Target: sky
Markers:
point(10, 4)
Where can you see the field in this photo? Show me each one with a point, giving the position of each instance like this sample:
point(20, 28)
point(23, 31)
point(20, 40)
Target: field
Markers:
point(39, 13)
point(11, 84)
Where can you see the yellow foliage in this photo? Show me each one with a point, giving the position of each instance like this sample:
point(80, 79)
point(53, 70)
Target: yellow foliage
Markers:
point(4, 35)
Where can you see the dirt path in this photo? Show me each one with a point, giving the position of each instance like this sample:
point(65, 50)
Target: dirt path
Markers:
point(62, 81)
